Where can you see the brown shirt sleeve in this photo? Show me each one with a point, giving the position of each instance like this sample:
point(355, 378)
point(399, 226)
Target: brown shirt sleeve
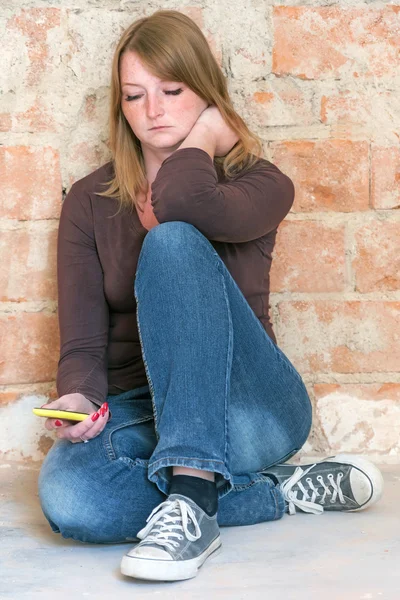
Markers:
point(186, 189)
point(82, 308)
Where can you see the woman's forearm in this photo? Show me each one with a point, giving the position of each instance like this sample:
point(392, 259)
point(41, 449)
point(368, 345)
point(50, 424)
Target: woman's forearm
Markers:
point(200, 136)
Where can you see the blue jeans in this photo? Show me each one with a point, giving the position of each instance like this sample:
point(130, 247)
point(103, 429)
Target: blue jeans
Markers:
point(221, 396)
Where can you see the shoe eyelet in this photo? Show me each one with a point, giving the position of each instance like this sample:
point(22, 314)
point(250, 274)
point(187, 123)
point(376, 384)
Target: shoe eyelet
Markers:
point(341, 475)
point(330, 476)
point(308, 479)
point(320, 478)
point(181, 537)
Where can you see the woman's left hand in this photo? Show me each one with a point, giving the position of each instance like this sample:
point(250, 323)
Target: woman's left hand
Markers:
point(225, 137)
point(87, 429)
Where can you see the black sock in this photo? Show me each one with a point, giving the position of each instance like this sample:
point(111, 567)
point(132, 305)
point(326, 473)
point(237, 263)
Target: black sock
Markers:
point(201, 491)
point(274, 479)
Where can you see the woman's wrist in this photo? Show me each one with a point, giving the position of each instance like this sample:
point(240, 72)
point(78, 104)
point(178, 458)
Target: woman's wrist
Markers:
point(200, 136)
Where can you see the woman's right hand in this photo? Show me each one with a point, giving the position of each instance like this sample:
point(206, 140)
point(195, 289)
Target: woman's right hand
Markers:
point(225, 138)
point(71, 430)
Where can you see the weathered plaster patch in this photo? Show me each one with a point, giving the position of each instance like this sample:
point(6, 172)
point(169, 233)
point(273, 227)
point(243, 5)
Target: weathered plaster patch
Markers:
point(23, 435)
point(354, 425)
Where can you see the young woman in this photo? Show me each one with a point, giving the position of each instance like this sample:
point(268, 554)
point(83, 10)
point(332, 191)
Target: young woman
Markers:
point(163, 271)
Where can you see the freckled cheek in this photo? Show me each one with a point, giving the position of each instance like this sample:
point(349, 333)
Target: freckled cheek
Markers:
point(188, 111)
point(187, 104)
point(131, 115)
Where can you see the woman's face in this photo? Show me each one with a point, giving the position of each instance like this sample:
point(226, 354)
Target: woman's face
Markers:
point(148, 102)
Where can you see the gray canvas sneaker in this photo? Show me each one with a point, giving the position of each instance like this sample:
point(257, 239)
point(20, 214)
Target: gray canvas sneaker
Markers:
point(178, 538)
point(343, 482)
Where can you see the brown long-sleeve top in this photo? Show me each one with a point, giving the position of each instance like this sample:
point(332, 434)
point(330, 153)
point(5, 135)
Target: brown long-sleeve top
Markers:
point(98, 253)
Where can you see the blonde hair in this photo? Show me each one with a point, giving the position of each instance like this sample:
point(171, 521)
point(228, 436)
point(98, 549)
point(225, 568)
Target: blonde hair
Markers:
point(172, 47)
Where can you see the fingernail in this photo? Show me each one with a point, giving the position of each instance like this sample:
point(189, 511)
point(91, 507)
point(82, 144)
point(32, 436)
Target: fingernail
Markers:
point(105, 406)
point(58, 423)
point(103, 411)
point(95, 416)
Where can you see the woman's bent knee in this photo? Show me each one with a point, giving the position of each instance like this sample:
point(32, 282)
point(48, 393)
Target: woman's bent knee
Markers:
point(98, 503)
point(67, 509)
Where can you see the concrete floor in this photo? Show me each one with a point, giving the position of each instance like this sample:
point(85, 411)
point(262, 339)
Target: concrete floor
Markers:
point(333, 556)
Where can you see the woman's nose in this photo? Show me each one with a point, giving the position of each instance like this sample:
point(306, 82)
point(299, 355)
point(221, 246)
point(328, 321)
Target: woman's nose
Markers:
point(154, 107)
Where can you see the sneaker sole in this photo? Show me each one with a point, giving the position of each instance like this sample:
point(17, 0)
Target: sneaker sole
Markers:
point(369, 469)
point(166, 570)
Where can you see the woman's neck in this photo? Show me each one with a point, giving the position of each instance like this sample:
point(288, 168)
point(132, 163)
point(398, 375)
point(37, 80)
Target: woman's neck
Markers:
point(153, 160)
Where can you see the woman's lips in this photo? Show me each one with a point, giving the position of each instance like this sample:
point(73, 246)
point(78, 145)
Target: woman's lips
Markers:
point(161, 127)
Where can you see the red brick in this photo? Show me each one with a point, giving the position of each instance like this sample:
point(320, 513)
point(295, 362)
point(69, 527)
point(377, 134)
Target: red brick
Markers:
point(31, 183)
point(334, 42)
point(364, 391)
point(30, 347)
point(329, 175)
point(356, 112)
point(9, 397)
point(279, 102)
point(343, 337)
point(36, 119)
point(34, 24)
point(18, 392)
point(91, 103)
point(263, 97)
point(297, 241)
point(5, 122)
point(85, 157)
point(385, 177)
point(377, 262)
point(28, 265)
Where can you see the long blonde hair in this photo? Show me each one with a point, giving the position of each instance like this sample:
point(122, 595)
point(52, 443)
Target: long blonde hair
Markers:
point(173, 48)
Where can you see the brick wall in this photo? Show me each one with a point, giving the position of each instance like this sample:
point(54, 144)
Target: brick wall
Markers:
point(321, 86)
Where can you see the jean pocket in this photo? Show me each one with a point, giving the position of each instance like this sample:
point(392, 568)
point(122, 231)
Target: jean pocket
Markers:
point(133, 439)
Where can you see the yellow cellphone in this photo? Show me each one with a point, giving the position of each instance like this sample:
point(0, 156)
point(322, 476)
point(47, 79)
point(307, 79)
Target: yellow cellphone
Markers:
point(53, 413)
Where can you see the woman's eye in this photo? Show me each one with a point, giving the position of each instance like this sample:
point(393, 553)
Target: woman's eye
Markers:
point(170, 93)
point(175, 92)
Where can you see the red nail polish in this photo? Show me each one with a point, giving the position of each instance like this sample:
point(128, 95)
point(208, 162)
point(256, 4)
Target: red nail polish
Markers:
point(95, 416)
point(58, 423)
point(103, 411)
point(105, 406)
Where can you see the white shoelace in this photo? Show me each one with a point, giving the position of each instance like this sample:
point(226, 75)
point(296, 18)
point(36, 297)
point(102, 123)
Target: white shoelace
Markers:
point(167, 520)
point(308, 504)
